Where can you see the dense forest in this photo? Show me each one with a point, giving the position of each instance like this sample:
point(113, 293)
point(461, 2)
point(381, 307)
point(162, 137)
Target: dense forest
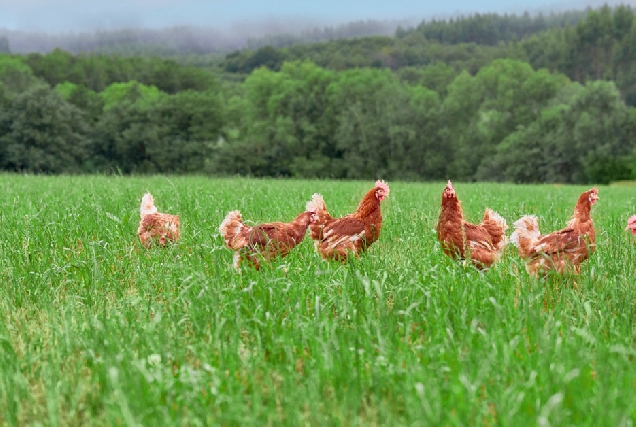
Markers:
point(485, 97)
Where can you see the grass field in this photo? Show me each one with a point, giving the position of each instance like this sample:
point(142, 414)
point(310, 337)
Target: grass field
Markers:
point(96, 330)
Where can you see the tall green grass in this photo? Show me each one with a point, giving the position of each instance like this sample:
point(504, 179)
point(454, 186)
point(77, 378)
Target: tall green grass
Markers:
point(97, 330)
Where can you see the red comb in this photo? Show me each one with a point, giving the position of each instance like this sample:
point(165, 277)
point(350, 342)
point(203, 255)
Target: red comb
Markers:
point(381, 184)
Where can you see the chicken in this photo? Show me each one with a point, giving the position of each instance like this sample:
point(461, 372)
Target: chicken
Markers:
point(483, 243)
point(631, 225)
point(264, 241)
point(338, 238)
point(563, 250)
point(156, 227)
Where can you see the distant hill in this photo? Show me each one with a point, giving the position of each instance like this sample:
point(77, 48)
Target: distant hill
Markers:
point(493, 29)
point(186, 40)
point(183, 41)
point(464, 42)
point(355, 29)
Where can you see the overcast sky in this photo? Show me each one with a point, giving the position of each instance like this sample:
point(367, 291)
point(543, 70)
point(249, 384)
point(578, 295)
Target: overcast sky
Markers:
point(82, 15)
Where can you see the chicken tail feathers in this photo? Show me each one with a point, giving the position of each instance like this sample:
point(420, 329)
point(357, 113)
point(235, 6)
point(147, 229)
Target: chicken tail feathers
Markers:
point(316, 204)
point(526, 234)
point(147, 205)
point(318, 207)
point(496, 221)
point(231, 228)
point(490, 215)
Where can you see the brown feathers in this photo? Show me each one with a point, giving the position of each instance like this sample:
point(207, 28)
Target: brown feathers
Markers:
point(156, 227)
point(482, 243)
point(262, 242)
point(338, 238)
point(563, 250)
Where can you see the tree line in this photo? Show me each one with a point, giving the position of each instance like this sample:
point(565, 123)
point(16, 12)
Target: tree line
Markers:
point(505, 120)
point(492, 28)
point(591, 45)
point(201, 45)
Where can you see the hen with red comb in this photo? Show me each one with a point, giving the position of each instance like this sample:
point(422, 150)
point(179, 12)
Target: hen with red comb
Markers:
point(482, 243)
point(339, 238)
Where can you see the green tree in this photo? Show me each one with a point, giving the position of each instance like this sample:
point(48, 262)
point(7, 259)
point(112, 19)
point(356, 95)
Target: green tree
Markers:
point(371, 106)
point(425, 156)
point(585, 136)
point(53, 67)
point(131, 91)
point(287, 123)
point(89, 102)
point(41, 132)
point(595, 42)
point(266, 56)
point(480, 112)
point(15, 74)
point(165, 134)
point(192, 125)
point(436, 76)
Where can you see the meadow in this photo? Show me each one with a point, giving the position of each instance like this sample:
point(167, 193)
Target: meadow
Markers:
point(96, 330)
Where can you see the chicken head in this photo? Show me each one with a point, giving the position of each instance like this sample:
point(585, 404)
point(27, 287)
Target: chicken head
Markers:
point(382, 190)
point(631, 225)
point(593, 196)
point(449, 191)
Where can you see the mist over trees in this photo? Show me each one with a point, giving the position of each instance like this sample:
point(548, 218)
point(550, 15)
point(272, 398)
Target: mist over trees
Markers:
point(186, 41)
point(355, 29)
point(182, 41)
point(4, 45)
point(487, 97)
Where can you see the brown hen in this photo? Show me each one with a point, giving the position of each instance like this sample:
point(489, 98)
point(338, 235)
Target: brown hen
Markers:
point(159, 228)
point(482, 243)
point(563, 250)
point(265, 241)
point(338, 238)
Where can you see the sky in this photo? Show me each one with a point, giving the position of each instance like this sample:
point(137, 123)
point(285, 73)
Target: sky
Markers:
point(55, 16)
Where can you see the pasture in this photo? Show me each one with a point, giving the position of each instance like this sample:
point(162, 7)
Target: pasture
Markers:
point(96, 330)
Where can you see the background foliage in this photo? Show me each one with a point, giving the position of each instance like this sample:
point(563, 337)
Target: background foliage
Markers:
point(486, 97)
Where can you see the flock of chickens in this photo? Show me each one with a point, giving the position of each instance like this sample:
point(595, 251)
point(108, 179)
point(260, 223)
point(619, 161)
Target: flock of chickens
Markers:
point(340, 238)
point(562, 251)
